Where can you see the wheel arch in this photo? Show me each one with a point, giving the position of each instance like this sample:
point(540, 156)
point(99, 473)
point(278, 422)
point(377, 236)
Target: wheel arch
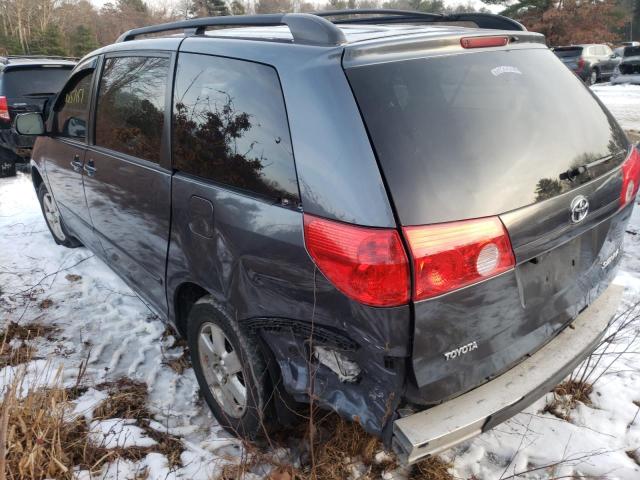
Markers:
point(185, 297)
point(36, 178)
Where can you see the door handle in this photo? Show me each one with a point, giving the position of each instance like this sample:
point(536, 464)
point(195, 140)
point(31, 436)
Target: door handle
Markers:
point(90, 168)
point(76, 164)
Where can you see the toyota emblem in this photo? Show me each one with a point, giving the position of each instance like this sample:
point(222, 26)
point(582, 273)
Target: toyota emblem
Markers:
point(579, 208)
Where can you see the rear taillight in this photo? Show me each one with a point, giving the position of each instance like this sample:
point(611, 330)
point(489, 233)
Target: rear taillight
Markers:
point(449, 256)
point(366, 264)
point(630, 177)
point(483, 42)
point(580, 64)
point(4, 109)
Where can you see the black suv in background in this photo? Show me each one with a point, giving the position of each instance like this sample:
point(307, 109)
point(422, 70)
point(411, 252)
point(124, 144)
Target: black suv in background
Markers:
point(628, 70)
point(26, 83)
point(593, 63)
point(394, 219)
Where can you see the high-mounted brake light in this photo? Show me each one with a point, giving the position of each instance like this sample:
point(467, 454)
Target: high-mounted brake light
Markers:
point(630, 177)
point(449, 256)
point(366, 264)
point(483, 42)
point(4, 109)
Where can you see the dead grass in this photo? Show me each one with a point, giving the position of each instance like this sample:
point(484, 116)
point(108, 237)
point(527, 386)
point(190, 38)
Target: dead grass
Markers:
point(181, 363)
point(128, 399)
point(14, 348)
point(72, 277)
point(566, 397)
point(432, 468)
point(340, 448)
point(41, 440)
point(634, 455)
point(46, 303)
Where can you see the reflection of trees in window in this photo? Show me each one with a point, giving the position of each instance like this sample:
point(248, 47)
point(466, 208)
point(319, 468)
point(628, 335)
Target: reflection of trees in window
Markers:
point(130, 112)
point(71, 117)
point(214, 138)
point(208, 140)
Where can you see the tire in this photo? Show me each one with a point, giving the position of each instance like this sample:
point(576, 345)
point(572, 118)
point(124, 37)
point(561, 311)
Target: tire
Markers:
point(593, 77)
point(243, 416)
point(53, 219)
point(7, 164)
point(7, 168)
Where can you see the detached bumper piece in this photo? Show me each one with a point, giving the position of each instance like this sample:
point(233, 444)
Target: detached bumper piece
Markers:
point(439, 428)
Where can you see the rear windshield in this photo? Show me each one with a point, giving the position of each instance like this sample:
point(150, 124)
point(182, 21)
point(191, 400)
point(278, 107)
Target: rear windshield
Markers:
point(631, 51)
point(21, 82)
point(482, 133)
point(567, 52)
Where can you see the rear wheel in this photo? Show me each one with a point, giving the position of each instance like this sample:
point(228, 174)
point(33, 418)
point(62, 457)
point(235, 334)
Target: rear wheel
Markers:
point(54, 220)
point(593, 77)
point(230, 369)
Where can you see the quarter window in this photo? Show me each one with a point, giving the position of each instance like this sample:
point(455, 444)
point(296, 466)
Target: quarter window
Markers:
point(131, 99)
point(72, 111)
point(230, 126)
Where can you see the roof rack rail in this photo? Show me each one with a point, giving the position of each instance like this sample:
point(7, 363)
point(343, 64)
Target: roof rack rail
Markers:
point(305, 28)
point(43, 57)
point(383, 15)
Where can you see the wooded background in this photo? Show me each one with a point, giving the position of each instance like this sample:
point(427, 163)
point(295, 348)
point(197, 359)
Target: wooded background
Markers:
point(75, 27)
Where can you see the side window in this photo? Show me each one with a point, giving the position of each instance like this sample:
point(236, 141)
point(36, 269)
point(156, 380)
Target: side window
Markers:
point(72, 110)
point(230, 126)
point(130, 111)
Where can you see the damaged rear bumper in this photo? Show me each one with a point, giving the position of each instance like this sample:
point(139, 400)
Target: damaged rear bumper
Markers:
point(441, 427)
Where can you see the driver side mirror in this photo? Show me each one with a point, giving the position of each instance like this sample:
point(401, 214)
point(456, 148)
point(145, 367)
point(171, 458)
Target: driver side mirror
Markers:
point(30, 123)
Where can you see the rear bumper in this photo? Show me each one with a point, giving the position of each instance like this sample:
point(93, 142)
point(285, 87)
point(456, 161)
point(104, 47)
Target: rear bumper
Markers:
point(441, 427)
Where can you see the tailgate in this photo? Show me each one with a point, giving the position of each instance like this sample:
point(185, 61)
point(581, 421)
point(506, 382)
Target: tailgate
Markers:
point(511, 134)
point(569, 56)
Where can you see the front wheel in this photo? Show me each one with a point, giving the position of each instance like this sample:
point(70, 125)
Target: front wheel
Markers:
point(230, 369)
point(7, 164)
point(54, 220)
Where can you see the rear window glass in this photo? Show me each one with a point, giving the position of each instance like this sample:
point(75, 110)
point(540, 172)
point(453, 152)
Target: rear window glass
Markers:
point(564, 52)
point(34, 81)
point(631, 51)
point(477, 134)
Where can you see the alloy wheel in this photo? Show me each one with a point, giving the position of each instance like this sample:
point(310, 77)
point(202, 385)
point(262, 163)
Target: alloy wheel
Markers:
point(52, 215)
point(222, 369)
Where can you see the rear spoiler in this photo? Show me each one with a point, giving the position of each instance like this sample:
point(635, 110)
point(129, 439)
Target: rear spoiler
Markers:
point(378, 16)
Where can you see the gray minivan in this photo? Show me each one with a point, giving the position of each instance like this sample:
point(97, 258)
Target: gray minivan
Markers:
point(395, 214)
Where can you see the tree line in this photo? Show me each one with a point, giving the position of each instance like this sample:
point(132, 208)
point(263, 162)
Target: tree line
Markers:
point(75, 27)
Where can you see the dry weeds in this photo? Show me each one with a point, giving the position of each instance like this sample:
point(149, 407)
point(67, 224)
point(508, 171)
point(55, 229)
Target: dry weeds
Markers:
point(14, 346)
point(46, 303)
point(341, 448)
point(566, 397)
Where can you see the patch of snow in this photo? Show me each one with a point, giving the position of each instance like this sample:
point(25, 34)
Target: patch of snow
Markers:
point(118, 433)
point(87, 403)
point(623, 101)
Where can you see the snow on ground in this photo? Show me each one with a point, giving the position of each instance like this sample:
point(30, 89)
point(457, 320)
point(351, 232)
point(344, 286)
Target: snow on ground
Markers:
point(103, 323)
point(623, 101)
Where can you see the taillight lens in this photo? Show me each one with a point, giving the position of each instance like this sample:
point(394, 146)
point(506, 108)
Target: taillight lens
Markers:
point(630, 177)
point(366, 264)
point(449, 256)
point(4, 109)
point(580, 65)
